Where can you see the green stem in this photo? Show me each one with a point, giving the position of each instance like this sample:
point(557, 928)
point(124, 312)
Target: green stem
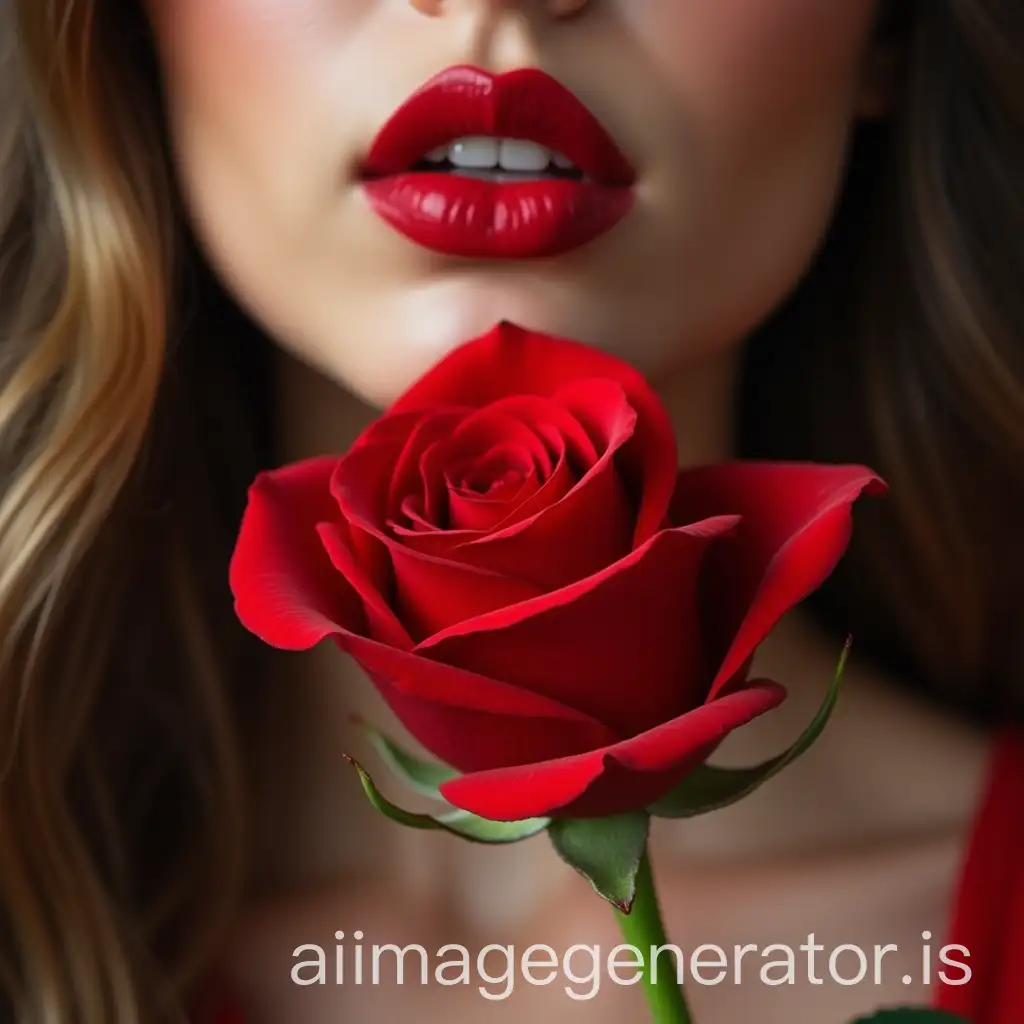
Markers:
point(643, 929)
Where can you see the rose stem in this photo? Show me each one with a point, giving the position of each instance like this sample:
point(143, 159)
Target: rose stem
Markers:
point(643, 929)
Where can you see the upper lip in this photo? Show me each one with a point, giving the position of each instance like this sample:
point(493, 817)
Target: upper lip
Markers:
point(525, 104)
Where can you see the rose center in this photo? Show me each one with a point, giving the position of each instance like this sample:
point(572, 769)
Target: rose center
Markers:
point(483, 482)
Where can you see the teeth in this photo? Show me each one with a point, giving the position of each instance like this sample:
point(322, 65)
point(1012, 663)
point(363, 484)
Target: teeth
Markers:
point(482, 152)
point(514, 155)
point(475, 153)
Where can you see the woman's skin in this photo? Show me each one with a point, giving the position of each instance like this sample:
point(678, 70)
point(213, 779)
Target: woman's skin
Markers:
point(737, 115)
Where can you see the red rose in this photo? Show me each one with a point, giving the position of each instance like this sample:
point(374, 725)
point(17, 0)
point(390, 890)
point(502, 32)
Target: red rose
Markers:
point(544, 601)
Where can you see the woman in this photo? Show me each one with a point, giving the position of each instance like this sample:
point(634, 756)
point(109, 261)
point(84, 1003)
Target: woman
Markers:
point(820, 258)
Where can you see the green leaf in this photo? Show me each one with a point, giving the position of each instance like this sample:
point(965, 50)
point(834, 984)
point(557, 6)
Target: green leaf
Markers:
point(709, 789)
point(425, 777)
point(911, 1015)
point(461, 823)
point(483, 830)
point(606, 851)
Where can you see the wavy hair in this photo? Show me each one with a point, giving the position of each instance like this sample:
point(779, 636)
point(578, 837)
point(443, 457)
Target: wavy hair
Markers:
point(123, 461)
point(133, 414)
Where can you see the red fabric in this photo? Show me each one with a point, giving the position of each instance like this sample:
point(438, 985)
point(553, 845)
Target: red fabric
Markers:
point(988, 915)
point(222, 1010)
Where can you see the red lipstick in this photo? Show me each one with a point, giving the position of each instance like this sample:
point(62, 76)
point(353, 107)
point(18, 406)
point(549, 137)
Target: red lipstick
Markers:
point(494, 216)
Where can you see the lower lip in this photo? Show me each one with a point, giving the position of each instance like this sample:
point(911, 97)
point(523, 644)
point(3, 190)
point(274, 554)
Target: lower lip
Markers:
point(476, 218)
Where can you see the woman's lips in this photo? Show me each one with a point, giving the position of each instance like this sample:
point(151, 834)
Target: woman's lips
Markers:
point(479, 217)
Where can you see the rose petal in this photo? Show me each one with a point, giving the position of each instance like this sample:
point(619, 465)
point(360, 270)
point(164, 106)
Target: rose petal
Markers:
point(621, 777)
point(429, 592)
point(432, 594)
point(589, 529)
point(453, 543)
point(623, 645)
point(585, 532)
point(796, 525)
point(385, 480)
point(363, 482)
point(558, 482)
point(550, 420)
point(577, 451)
point(561, 448)
point(412, 513)
point(512, 419)
point(407, 477)
point(509, 360)
point(476, 435)
point(513, 479)
point(371, 578)
point(286, 590)
point(367, 475)
point(504, 466)
point(568, 453)
point(391, 430)
point(479, 513)
point(467, 720)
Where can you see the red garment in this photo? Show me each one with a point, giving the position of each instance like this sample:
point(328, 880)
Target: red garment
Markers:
point(223, 1011)
point(988, 917)
point(989, 912)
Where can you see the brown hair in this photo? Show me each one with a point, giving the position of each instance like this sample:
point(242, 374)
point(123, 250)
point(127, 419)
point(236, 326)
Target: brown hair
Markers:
point(133, 412)
point(914, 364)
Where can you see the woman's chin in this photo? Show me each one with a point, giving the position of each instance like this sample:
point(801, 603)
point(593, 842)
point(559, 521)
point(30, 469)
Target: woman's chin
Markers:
point(442, 315)
point(380, 363)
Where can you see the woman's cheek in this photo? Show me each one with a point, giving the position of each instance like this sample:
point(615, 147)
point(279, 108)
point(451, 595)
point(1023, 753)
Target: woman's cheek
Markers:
point(253, 65)
point(735, 63)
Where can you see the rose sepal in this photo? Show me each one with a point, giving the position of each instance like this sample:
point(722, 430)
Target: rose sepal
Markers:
point(708, 788)
point(457, 822)
point(424, 777)
point(607, 852)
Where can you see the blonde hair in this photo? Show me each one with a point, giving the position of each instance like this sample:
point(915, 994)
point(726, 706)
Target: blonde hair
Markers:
point(123, 822)
point(86, 242)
